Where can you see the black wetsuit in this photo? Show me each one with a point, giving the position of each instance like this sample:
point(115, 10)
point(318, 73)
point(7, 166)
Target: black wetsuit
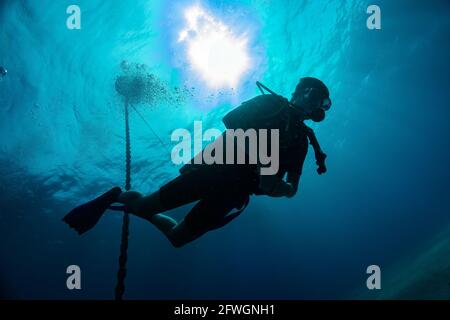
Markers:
point(221, 188)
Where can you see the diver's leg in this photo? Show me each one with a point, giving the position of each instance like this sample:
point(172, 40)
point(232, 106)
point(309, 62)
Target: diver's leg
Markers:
point(142, 206)
point(164, 223)
point(181, 234)
point(177, 233)
point(148, 208)
point(208, 214)
point(190, 228)
point(184, 189)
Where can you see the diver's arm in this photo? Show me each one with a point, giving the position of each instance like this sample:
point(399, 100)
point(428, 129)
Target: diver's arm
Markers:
point(283, 189)
point(275, 186)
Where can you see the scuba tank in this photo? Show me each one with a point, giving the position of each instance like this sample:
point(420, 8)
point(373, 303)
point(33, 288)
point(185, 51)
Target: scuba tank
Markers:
point(269, 111)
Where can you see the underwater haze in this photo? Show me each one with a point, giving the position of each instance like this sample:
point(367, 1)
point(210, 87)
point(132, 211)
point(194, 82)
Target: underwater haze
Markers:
point(384, 200)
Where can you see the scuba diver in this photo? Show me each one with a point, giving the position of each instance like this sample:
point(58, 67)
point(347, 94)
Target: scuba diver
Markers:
point(219, 189)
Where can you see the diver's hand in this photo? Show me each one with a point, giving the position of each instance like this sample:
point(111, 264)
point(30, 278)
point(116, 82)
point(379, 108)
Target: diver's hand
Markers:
point(274, 186)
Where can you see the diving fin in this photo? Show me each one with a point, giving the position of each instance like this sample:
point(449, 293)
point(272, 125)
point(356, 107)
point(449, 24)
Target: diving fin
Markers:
point(85, 217)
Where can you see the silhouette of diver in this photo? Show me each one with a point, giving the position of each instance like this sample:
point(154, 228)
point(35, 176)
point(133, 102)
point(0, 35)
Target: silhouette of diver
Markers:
point(221, 188)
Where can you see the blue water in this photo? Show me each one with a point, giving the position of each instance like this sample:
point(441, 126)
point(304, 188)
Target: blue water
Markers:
point(61, 123)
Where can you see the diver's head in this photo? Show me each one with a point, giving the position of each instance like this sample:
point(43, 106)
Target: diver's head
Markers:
point(312, 98)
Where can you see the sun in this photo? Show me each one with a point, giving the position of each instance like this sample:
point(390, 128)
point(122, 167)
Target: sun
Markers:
point(214, 51)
